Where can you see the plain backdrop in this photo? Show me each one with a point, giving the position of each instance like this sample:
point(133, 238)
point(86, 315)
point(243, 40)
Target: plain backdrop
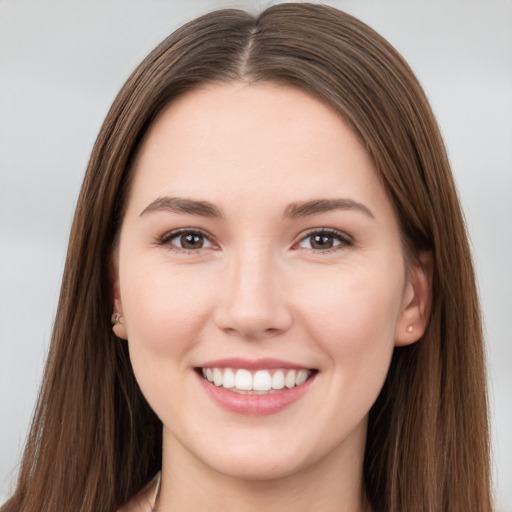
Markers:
point(61, 64)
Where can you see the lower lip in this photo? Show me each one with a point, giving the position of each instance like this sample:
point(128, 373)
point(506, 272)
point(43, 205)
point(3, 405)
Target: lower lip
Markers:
point(254, 405)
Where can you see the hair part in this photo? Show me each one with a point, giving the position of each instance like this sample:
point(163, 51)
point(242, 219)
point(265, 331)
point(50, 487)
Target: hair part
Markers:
point(95, 442)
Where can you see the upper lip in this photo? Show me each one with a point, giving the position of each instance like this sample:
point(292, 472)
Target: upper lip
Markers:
point(252, 364)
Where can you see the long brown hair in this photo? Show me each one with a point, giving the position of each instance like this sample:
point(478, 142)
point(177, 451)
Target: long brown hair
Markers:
point(94, 440)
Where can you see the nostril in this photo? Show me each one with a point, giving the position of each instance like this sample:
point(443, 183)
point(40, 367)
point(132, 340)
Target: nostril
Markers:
point(253, 332)
point(262, 321)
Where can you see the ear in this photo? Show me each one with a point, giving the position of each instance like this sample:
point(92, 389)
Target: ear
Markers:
point(416, 301)
point(118, 320)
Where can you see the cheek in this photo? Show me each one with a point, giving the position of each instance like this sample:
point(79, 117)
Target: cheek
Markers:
point(163, 306)
point(353, 318)
point(165, 311)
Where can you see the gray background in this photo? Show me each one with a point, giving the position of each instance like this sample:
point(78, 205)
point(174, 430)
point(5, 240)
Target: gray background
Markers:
point(61, 64)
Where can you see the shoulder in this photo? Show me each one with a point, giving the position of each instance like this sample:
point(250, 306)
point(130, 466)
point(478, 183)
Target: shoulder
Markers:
point(144, 500)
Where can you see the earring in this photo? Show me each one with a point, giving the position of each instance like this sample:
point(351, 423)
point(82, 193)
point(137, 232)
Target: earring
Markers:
point(410, 328)
point(116, 319)
point(118, 326)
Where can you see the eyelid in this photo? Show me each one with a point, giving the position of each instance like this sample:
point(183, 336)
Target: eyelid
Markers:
point(345, 239)
point(170, 235)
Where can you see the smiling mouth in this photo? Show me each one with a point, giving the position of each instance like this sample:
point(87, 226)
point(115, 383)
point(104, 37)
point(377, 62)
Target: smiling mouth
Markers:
point(259, 382)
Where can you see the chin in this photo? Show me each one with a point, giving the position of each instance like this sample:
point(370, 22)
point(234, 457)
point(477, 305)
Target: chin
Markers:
point(261, 458)
point(258, 468)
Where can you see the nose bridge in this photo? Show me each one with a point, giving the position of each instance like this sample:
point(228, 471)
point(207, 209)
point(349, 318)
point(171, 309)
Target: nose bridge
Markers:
point(253, 277)
point(252, 299)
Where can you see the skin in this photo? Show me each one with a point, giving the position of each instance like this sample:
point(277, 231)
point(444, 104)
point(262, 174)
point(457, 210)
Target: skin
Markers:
point(259, 288)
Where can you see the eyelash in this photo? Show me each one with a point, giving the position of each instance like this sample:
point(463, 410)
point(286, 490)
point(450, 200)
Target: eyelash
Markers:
point(166, 239)
point(343, 238)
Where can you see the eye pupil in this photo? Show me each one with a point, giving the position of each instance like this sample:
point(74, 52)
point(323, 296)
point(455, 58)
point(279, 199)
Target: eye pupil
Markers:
point(191, 241)
point(321, 242)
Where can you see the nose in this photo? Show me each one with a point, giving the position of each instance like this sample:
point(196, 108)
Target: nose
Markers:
point(252, 298)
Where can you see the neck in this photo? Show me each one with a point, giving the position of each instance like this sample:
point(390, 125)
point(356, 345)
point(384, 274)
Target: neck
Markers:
point(333, 483)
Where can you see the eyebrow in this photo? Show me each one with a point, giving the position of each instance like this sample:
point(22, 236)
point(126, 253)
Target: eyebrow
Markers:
point(303, 209)
point(183, 205)
point(292, 211)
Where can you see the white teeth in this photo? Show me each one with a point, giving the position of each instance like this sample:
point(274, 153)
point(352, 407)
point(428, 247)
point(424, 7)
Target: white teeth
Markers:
point(301, 377)
point(217, 377)
point(262, 380)
point(229, 378)
point(278, 380)
point(289, 380)
point(243, 380)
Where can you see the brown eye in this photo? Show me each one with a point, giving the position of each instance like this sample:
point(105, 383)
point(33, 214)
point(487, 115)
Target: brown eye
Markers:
point(191, 241)
point(186, 240)
point(324, 240)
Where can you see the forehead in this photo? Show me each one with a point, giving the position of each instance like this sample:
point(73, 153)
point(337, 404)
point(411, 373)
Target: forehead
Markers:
point(272, 142)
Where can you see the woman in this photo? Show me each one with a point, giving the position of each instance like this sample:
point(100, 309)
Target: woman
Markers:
point(269, 218)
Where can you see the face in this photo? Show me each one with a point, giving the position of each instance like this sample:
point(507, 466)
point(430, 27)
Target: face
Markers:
point(262, 282)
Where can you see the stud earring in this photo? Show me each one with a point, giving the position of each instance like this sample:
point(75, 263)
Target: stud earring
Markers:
point(118, 326)
point(117, 319)
point(410, 328)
